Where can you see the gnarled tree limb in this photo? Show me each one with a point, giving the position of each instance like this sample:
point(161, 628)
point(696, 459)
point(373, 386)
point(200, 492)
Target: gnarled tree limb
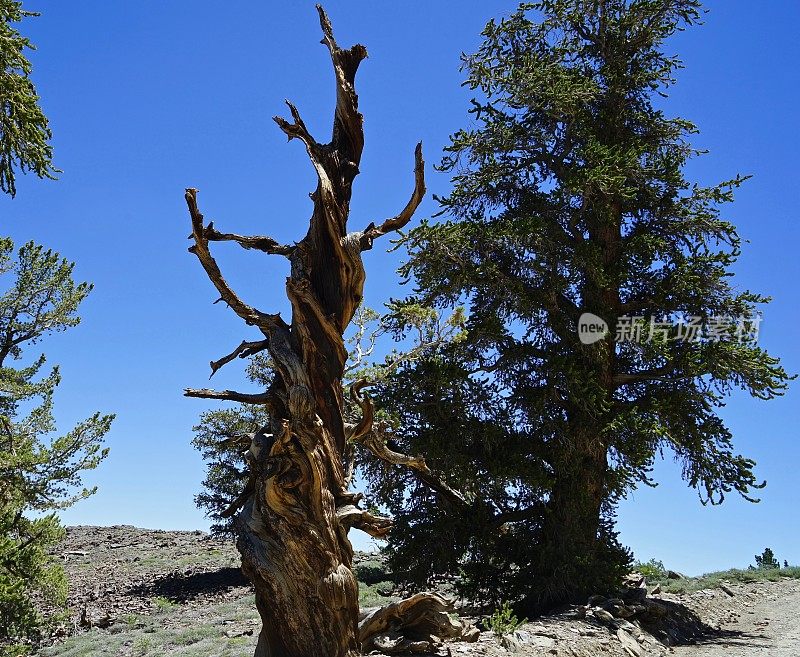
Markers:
point(257, 242)
point(244, 350)
point(397, 222)
point(365, 434)
point(347, 119)
point(298, 130)
point(371, 437)
point(267, 323)
point(376, 526)
point(228, 395)
point(410, 625)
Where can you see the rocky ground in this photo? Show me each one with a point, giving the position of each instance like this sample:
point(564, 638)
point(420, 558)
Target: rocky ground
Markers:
point(143, 593)
point(764, 623)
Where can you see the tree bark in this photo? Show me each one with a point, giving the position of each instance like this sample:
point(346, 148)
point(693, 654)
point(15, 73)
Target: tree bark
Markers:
point(570, 543)
point(292, 527)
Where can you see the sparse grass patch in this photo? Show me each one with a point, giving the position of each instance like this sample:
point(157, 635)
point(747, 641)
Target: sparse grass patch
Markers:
point(174, 630)
point(715, 580)
point(241, 609)
point(195, 635)
point(375, 595)
point(142, 645)
point(90, 644)
point(163, 604)
point(131, 620)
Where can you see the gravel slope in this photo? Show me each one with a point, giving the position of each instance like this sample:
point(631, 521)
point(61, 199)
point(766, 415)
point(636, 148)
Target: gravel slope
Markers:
point(142, 593)
point(767, 626)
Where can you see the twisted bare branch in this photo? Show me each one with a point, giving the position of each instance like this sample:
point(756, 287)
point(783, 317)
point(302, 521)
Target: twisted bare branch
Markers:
point(399, 221)
point(244, 350)
point(372, 437)
point(345, 64)
point(298, 130)
point(376, 526)
point(228, 395)
point(364, 433)
point(257, 242)
point(267, 323)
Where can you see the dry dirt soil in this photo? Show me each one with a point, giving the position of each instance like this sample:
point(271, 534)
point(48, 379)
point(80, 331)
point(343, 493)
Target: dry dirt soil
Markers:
point(766, 624)
point(141, 593)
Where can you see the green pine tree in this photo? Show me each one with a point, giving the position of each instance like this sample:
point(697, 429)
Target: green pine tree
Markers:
point(40, 473)
point(569, 196)
point(222, 436)
point(24, 130)
point(766, 560)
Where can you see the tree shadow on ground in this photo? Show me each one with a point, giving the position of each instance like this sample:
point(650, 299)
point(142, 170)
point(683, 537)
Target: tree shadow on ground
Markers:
point(733, 639)
point(681, 626)
point(184, 587)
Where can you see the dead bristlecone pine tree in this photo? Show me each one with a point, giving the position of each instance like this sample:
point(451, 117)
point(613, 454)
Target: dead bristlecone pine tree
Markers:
point(293, 517)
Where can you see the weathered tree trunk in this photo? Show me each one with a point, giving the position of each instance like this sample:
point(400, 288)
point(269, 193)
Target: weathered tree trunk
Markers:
point(296, 511)
point(574, 558)
point(569, 546)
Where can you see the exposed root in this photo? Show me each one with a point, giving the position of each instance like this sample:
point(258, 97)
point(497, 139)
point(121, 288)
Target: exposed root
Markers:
point(417, 624)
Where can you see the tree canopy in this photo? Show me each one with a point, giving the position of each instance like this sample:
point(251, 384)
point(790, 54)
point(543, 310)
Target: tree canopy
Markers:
point(223, 436)
point(39, 473)
point(570, 196)
point(24, 129)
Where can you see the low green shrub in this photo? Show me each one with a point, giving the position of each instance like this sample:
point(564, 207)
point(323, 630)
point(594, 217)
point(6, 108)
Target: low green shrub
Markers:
point(503, 620)
point(652, 570)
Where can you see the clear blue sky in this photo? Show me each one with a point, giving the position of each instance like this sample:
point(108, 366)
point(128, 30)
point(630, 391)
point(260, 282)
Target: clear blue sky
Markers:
point(147, 98)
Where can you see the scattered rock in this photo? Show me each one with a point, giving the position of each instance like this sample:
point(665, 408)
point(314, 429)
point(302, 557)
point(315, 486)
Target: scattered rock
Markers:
point(613, 602)
point(655, 609)
point(95, 618)
point(523, 641)
point(634, 630)
point(541, 630)
point(603, 616)
point(635, 588)
point(512, 642)
point(630, 645)
point(471, 634)
point(231, 634)
point(542, 641)
point(633, 580)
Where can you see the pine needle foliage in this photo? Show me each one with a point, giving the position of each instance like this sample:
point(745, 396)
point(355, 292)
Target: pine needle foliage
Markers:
point(24, 129)
point(570, 196)
point(40, 471)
